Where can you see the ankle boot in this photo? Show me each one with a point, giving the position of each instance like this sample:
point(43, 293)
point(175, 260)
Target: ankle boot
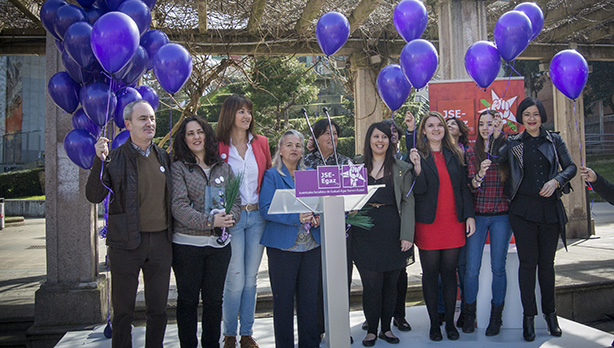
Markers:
point(553, 324)
point(528, 328)
point(495, 319)
point(469, 324)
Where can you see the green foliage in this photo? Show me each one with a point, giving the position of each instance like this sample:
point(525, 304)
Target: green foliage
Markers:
point(22, 183)
point(277, 84)
point(533, 78)
point(605, 168)
point(600, 85)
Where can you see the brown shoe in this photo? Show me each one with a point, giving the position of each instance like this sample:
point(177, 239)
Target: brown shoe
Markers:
point(230, 341)
point(248, 342)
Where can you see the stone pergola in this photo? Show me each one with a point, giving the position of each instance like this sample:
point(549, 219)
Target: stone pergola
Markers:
point(74, 294)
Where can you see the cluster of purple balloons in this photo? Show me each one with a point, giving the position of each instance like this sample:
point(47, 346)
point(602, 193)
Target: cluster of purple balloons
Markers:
point(106, 47)
point(419, 57)
point(513, 32)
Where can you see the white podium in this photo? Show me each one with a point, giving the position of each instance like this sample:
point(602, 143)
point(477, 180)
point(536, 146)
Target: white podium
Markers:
point(334, 255)
point(512, 312)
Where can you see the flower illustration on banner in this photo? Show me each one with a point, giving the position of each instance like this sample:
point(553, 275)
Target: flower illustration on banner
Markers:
point(354, 173)
point(502, 105)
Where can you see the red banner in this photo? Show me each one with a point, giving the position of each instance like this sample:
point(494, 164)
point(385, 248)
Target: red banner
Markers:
point(466, 100)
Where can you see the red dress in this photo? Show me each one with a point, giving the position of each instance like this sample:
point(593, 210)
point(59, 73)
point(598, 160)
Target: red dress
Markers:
point(445, 232)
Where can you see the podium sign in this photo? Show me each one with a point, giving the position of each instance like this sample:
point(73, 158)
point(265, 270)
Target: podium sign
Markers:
point(331, 181)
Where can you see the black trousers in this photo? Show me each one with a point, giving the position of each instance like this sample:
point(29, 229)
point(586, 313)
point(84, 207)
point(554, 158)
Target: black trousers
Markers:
point(294, 275)
point(399, 305)
point(153, 256)
point(536, 244)
point(379, 295)
point(200, 271)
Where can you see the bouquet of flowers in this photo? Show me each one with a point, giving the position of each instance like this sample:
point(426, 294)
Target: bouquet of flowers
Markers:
point(359, 219)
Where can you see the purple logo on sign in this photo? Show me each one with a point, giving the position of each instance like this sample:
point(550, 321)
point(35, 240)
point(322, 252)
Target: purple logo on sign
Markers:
point(332, 181)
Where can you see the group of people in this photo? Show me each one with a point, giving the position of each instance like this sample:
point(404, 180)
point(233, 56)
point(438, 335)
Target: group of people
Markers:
point(443, 196)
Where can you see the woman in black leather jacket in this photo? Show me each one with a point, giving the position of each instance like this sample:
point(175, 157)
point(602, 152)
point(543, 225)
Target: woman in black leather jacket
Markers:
point(540, 171)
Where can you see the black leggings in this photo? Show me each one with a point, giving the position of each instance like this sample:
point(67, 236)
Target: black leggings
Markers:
point(435, 263)
point(378, 297)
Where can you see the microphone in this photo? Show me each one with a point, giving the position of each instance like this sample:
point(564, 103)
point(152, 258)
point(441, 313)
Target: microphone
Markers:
point(325, 109)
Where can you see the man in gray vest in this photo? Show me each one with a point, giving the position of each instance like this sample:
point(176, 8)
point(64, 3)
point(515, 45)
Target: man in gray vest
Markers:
point(137, 175)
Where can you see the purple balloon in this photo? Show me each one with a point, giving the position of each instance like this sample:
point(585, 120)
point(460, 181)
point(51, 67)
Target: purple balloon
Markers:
point(115, 38)
point(392, 86)
point(150, 3)
point(113, 5)
point(47, 15)
point(135, 68)
point(79, 146)
point(74, 70)
point(102, 5)
point(77, 43)
point(332, 32)
point(98, 102)
point(93, 13)
point(120, 139)
point(125, 96)
point(150, 95)
point(67, 16)
point(152, 40)
point(64, 91)
point(535, 14)
point(81, 121)
point(512, 34)
point(419, 62)
point(139, 12)
point(410, 19)
point(86, 3)
point(172, 67)
point(483, 62)
point(569, 72)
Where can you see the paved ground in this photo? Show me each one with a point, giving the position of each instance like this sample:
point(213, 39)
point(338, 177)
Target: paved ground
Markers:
point(23, 264)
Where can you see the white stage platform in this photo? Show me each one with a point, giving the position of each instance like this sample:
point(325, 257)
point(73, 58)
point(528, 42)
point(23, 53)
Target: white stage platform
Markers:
point(574, 335)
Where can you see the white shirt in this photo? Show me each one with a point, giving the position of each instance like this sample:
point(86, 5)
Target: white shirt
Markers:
point(249, 168)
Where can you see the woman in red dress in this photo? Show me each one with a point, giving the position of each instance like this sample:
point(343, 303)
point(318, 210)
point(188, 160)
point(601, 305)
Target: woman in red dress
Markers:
point(444, 215)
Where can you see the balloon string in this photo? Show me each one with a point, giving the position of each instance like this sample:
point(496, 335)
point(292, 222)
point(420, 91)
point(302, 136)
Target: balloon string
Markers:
point(170, 132)
point(575, 117)
point(508, 81)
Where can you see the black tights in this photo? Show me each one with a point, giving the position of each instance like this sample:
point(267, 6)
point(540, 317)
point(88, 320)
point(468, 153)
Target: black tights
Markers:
point(378, 297)
point(434, 263)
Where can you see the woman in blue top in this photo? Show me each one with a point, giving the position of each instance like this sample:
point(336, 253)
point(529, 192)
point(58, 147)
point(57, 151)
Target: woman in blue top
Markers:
point(292, 243)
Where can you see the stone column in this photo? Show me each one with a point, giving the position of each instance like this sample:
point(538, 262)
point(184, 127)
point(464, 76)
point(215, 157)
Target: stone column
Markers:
point(461, 23)
point(74, 296)
point(367, 103)
point(565, 119)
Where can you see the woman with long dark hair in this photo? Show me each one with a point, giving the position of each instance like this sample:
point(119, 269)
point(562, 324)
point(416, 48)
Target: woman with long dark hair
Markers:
point(293, 251)
point(200, 257)
point(540, 171)
point(379, 252)
point(444, 215)
point(459, 132)
point(248, 154)
point(487, 181)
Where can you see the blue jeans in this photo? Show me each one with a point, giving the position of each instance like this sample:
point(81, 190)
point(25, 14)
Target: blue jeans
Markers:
point(500, 235)
point(240, 288)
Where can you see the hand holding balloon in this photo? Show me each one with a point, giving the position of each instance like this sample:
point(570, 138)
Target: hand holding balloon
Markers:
point(410, 121)
point(102, 148)
point(414, 157)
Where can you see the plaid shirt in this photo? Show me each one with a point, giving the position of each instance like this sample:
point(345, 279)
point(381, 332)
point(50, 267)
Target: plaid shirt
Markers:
point(489, 198)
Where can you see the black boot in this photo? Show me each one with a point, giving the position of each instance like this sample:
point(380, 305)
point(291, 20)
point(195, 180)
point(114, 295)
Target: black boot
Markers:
point(528, 328)
point(461, 318)
point(495, 319)
point(553, 324)
point(469, 324)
